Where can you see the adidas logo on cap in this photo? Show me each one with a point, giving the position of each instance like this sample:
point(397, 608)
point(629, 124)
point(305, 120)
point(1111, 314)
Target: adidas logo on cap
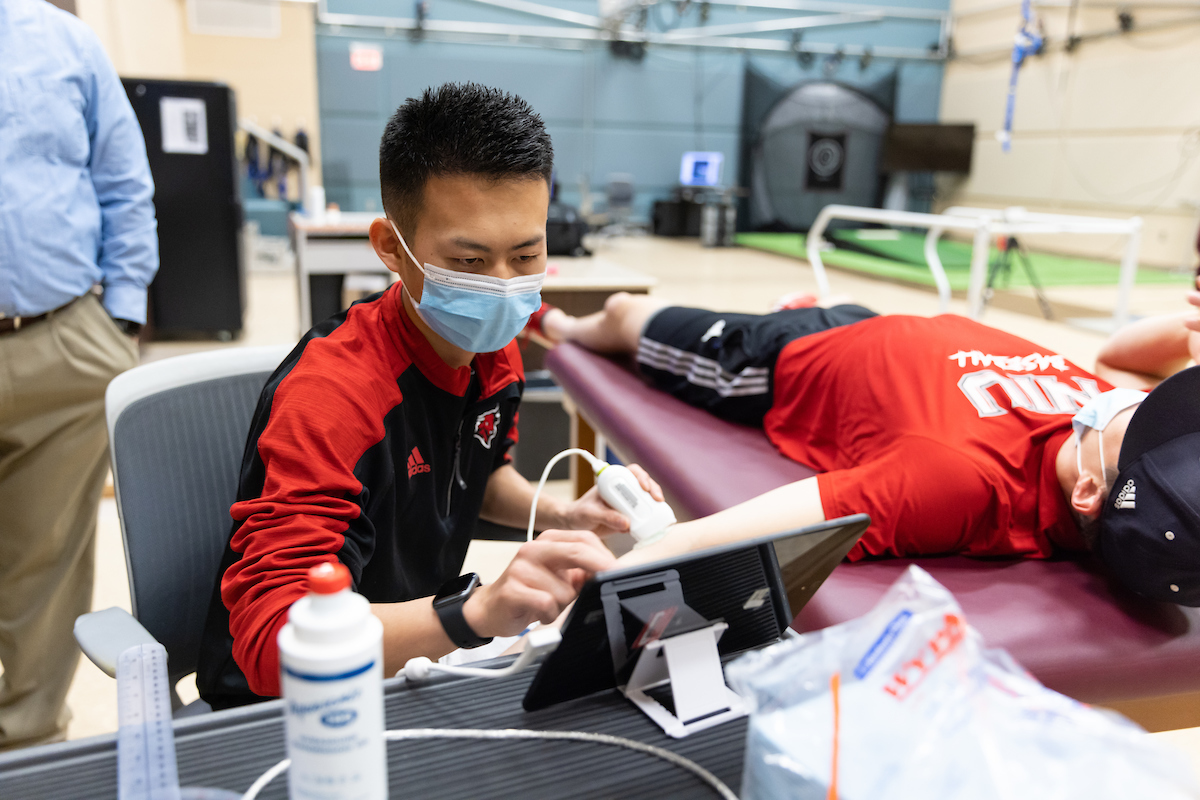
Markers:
point(1127, 496)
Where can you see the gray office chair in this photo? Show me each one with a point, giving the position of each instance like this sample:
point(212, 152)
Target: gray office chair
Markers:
point(177, 430)
point(618, 194)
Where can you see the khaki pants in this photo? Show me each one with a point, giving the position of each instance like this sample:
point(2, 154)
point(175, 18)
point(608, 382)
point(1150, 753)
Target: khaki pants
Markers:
point(53, 460)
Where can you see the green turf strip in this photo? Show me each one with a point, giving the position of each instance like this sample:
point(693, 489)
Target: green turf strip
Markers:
point(903, 259)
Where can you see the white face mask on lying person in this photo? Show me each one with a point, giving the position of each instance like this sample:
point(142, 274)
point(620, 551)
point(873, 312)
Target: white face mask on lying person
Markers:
point(1096, 414)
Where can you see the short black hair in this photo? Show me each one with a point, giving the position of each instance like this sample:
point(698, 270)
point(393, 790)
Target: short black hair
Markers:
point(458, 129)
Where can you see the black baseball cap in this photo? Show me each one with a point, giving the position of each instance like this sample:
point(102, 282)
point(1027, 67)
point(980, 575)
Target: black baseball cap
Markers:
point(1149, 534)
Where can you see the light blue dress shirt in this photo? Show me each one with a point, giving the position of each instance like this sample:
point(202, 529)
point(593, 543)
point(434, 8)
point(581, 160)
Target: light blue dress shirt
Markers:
point(76, 194)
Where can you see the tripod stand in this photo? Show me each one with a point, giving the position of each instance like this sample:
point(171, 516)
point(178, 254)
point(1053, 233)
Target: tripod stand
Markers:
point(1003, 262)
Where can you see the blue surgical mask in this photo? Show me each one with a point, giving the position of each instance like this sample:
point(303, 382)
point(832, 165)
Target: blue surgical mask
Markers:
point(479, 313)
point(1096, 414)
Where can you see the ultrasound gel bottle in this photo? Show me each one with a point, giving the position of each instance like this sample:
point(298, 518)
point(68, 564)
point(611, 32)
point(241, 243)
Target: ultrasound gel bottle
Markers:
point(331, 660)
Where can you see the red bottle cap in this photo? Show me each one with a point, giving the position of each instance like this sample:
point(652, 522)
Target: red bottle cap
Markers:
point(328, 578)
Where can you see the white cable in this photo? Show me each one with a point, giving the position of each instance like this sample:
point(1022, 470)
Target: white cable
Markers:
point(538, 641)
point(575, 736)
point(591, 459)
point(266, 778)
point(516, 733)
point(541, 639)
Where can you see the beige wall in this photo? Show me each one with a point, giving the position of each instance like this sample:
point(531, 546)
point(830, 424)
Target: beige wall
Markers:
point(1110, 130)
point(275, 80)
point(144, 38)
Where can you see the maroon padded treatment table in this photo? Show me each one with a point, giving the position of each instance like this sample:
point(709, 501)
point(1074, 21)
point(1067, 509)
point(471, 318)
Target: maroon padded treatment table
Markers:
point(1064, 620)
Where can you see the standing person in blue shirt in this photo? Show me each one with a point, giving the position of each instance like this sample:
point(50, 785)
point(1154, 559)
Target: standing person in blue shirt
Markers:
point(77, 248)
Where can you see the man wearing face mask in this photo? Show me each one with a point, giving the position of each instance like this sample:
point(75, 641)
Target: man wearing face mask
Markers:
point(383, 437)
point(955, 437)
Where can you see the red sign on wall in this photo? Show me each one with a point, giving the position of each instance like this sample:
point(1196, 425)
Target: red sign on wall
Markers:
point(366, 57)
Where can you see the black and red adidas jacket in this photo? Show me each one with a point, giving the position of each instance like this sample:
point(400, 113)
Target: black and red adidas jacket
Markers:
point(366, 447)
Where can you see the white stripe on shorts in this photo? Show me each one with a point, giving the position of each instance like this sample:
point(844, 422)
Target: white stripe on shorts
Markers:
point(703, 372)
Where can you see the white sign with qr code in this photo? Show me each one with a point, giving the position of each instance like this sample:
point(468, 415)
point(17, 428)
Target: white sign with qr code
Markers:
point(184, 125)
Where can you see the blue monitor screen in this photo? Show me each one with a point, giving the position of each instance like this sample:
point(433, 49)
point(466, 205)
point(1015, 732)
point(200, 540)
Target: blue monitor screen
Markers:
point(701, 169)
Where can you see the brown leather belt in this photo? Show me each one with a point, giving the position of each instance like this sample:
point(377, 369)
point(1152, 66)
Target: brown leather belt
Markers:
point(14, 324)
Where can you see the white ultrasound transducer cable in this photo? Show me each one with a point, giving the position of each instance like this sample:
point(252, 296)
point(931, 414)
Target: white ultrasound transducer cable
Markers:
point(700, 772)
point(619, 487)
point(539, 640)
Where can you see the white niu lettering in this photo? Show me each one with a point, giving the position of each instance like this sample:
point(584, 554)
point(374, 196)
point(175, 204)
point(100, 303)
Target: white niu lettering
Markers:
point(1034, 362)
point(1029, 386)
point(1065, 397)
point(1043, 394)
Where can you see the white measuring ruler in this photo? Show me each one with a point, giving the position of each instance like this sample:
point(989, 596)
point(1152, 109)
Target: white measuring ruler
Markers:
point(146, 768)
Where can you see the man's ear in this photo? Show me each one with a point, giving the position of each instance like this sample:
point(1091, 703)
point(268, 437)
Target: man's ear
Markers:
point(387, 246)
point(1088, 496)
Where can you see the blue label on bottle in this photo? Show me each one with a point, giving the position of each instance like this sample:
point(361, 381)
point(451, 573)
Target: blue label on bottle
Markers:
point(341, 676)
point(339, 718)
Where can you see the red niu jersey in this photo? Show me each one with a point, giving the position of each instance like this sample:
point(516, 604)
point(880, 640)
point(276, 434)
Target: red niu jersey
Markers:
point(365, 447)
point(944, 430)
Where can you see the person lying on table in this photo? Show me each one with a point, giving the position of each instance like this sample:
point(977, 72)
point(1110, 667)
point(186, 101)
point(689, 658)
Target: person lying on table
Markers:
point(955, 437)
point(383, 437)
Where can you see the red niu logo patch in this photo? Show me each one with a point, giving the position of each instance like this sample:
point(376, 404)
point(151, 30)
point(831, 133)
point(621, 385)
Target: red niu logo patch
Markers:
point(486, 425)
point(416, 464)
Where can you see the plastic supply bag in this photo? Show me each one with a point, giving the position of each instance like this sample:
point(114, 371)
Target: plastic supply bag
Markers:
point(905, 702)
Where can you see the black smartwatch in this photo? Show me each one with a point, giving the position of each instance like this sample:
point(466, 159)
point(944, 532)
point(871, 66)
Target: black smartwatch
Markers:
point(448, 603)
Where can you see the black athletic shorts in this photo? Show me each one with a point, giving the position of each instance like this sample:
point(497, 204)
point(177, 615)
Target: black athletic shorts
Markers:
point(725, 363)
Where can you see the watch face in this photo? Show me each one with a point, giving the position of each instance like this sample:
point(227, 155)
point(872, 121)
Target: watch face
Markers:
point(456, 587)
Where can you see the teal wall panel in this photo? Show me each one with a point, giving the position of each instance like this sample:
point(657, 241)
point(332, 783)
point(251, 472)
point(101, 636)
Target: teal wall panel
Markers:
point(606, 115)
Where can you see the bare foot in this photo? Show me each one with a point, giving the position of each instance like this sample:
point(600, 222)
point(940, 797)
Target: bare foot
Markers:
point(806, 300)
point(547, 326)
point(556, 324)
point(794, 300)
point(836, 300)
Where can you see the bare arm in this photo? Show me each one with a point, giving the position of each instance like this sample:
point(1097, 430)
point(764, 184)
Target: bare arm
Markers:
point(1145, 352)
point(792, 506)
point(508, 496)
point(542, 580)
point(410, 629)
point(1142, 354)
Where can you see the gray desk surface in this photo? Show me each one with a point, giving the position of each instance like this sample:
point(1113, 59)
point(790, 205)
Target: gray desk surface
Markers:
point(230, 749)
point(334, 225)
